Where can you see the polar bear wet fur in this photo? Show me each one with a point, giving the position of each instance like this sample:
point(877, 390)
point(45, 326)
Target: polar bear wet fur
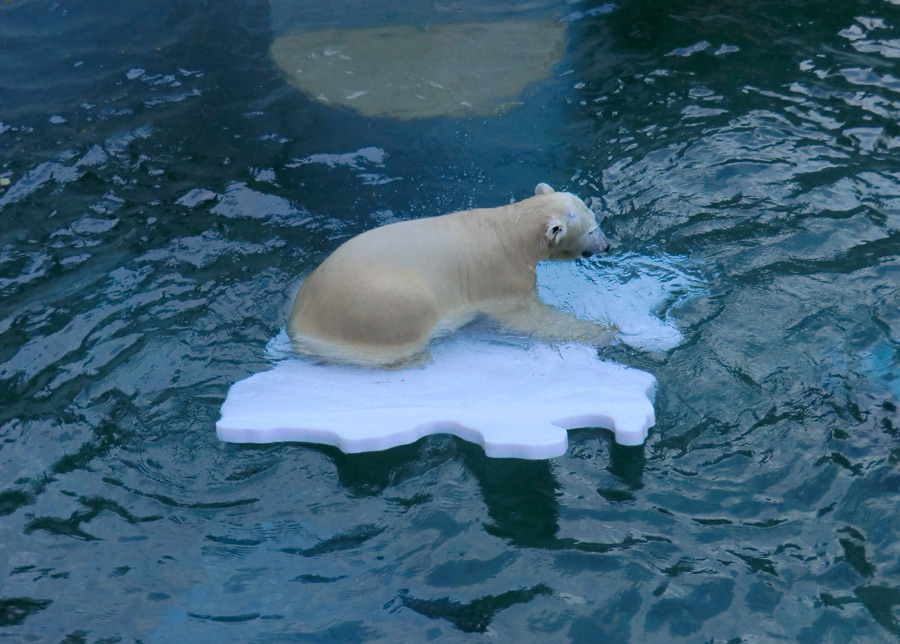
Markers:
point(381, 296)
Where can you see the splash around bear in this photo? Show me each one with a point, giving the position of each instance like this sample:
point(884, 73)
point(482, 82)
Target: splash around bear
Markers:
point(382, 295)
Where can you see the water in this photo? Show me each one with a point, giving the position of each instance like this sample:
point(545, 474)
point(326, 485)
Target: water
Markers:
point(167, 186)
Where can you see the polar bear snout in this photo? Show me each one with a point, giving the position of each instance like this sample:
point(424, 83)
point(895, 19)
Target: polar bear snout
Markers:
point(598, 244)
point(604, 247)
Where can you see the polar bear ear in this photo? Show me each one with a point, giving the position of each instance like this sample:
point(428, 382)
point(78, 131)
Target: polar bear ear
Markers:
point(543, 189)
point(556, 230)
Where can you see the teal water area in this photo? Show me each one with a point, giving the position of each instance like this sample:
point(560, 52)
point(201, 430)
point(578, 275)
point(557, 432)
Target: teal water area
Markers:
point(166, 189)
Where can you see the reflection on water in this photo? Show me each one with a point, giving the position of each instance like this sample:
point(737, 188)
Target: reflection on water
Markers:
point(166, 189)
point(402, 71)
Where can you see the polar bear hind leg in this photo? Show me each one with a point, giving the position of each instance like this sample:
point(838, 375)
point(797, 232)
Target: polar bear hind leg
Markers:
point(387, 318)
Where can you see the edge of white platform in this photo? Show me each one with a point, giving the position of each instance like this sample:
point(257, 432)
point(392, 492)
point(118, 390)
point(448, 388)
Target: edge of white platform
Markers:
point(513, 401)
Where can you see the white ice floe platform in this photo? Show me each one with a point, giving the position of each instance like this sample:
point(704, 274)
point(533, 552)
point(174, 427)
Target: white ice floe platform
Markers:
point(513, 397)
point(512, 400)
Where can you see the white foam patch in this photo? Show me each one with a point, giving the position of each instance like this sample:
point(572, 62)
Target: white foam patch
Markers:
point(513, 396)
point(635, 292)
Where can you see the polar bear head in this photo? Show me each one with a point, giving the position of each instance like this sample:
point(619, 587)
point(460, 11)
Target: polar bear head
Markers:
point(572, 229)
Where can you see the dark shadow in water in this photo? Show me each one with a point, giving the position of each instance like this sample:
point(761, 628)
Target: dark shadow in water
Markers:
point(348, 540)
point(370, 473)
point(476, 615)
point(625, 463)
point(119, 422)
point(628, 463)
point(522, 498)
point(15, 610)
point(12, 500)
point(882, 603)
point(520, 494)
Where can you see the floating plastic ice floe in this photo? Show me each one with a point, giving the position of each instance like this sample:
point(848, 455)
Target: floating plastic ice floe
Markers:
point(514, 401)
point(513, 396)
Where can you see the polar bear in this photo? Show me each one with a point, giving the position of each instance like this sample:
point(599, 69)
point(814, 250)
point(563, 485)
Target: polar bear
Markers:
point(384, 294)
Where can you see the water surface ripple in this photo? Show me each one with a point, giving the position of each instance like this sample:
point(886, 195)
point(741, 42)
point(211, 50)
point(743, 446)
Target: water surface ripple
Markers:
point(165, 187)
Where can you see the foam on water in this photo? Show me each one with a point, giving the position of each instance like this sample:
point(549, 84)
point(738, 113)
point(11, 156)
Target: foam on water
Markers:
point(631, 291)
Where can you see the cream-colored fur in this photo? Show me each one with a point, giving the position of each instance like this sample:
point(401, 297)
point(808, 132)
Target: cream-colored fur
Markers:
point(381, 296)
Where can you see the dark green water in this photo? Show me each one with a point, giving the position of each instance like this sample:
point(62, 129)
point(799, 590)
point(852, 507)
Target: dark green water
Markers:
point(162, 204)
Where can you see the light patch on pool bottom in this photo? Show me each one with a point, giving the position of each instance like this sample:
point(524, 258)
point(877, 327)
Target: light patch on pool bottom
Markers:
point(514, 396)
point(403, 72)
